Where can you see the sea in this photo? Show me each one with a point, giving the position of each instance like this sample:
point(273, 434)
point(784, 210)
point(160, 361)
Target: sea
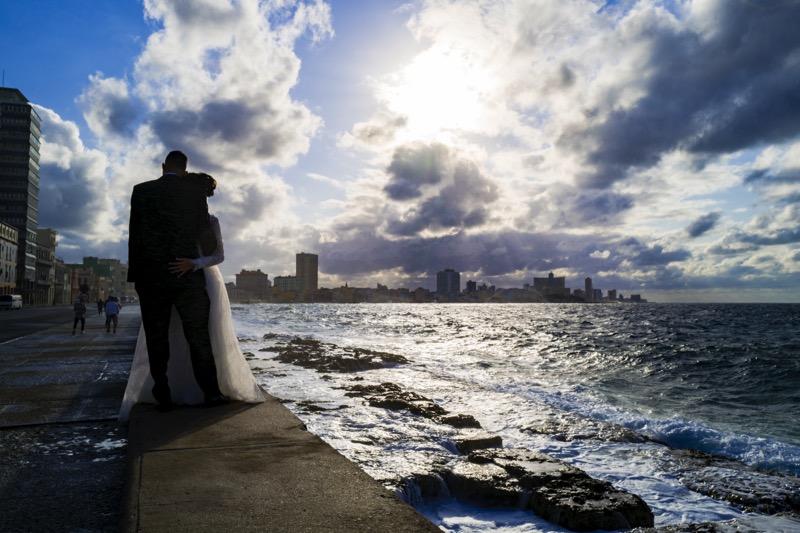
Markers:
point(573, 381)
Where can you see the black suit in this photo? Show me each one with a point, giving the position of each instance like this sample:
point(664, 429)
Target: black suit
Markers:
point(168, 218)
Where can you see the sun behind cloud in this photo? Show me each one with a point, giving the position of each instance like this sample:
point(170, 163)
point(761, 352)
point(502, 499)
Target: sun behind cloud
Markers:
point(440, 92)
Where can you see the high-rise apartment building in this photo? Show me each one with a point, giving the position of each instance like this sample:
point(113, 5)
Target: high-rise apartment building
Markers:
point(448, 281)
point(9, 239)
point(307, 271)
point(20, 131)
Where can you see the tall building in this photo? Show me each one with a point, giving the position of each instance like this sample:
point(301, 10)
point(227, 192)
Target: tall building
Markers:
point(551, 285)
point(588, 292)
point(448, 281)
point(9, 238)
point(45, 266)
point(253, 285)
point(307, 271)
point(20, 131)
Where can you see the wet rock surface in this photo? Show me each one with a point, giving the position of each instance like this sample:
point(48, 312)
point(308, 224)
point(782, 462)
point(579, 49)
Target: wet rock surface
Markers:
point(573, 427)
point(494, 476)
point(747, 488)
point(327, 357)
point(566, 495)
point(391, 396)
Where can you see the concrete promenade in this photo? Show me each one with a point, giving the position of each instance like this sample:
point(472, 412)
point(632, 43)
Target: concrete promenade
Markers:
point(236, 467)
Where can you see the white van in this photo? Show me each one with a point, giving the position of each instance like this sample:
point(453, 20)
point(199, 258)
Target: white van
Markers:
point(10, 301)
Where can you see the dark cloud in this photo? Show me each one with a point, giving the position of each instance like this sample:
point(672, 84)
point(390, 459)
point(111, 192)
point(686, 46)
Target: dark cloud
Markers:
point(781, 236)
point(243, 130)
point(703, 224)
point(379, 131)
point(121, 115)
point(580, 208)
point(718, 93)
point(250, 203)
point(493, 253)
point(731, 247)
point(505, 258)
point(226, 121)
point(415, 166)
point(765, 176)
point(458, 194)
point(109, 108)
point(656, 256)
point(67, 200)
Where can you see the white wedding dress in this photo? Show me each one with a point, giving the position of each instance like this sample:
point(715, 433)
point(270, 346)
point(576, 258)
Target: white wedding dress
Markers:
point(235, 378)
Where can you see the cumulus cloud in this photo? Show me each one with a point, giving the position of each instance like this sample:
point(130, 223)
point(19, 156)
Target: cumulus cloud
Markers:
point(703, 225)
point(448, 192)
point(109, 108)
point(213, 80)
point(73, 194)
point(717, 79)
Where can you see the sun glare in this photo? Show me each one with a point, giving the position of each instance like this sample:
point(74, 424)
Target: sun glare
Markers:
point(440, 92)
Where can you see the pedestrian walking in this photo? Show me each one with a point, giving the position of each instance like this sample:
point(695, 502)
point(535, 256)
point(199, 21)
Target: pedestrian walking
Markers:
point(112, 308)
point(80, 315)
point(101, 305)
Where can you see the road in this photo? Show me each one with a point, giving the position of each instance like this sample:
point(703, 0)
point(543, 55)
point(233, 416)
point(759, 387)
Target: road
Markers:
point(62, 452)
point(15, 323)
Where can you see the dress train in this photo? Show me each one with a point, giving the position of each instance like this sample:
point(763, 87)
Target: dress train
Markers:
point(235, 377)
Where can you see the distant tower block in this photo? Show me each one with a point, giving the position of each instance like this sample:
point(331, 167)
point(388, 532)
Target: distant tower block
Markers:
point(307, 271)
point(448, 281)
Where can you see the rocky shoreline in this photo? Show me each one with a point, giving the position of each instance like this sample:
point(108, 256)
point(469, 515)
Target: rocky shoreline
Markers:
point(481, 471)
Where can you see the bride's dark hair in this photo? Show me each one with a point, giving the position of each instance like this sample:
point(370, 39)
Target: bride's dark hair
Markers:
point(203, 180)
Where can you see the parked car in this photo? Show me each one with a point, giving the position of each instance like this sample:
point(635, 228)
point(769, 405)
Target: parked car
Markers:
point(10, 301)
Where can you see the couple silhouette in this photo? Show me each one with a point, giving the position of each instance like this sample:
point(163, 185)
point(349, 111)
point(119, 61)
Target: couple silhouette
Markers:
point(187, 352)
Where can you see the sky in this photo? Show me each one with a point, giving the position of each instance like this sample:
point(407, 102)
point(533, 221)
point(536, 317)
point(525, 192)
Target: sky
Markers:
point(653, 146)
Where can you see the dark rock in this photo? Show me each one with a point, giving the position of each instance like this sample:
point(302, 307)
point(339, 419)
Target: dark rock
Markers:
point(468, 442)
point(460, 421)
point(571, 427)
point(560, 493)
point(419, 488)
point(391, 396)
point(310, 407)
point(746, 487)
point(483, 484)
point(326, 357)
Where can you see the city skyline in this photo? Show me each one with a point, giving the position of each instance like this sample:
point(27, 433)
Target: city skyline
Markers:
point(654, 146)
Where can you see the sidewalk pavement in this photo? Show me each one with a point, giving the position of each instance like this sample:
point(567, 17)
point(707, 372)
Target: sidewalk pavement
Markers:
point(236, 467)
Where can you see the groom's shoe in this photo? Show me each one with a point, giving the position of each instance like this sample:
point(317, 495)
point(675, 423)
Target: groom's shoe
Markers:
point(216, 401)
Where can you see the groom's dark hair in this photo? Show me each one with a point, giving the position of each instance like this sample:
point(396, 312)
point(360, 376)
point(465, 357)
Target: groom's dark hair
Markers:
point(177, 160)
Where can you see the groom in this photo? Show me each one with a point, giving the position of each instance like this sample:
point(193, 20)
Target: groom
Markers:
point(169, 216)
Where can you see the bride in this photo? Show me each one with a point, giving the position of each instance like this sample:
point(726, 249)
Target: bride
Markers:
point(235, 378)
